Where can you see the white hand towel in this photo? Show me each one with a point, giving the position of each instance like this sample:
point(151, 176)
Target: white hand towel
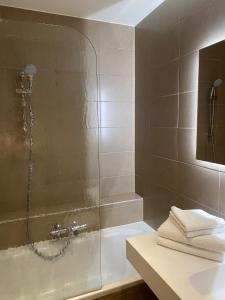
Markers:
point(190, 250)
point(170, 230)
point(196, 221)
point(196, 233)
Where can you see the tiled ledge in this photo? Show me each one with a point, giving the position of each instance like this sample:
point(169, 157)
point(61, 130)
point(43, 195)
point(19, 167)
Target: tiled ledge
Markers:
point(118, 210)
point(121, 209)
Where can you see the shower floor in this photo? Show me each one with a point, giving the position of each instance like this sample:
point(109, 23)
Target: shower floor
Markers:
point(25, 276)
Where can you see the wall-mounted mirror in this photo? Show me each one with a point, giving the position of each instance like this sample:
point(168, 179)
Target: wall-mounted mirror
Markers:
point(211, 104)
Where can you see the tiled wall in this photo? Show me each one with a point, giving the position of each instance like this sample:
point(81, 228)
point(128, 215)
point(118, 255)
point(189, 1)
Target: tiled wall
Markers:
point(114, 46)
point(167, 52)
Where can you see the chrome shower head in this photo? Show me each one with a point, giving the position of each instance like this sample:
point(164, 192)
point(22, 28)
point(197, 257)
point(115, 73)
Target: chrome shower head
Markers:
point(217, 83)
point(30, 70)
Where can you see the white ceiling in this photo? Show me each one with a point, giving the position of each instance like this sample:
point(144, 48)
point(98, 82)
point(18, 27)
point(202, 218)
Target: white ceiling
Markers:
point(127, 12)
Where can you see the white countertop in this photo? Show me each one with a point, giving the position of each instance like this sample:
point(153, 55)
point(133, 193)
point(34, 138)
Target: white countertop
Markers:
point(174, 275)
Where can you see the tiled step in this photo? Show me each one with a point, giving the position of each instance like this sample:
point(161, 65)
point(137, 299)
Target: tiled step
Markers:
point(121, 209)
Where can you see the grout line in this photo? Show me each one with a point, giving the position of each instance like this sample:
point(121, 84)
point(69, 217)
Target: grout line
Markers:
point(49, 214)
point(111, 177)
point(185, 163)
point(117, 152)
point(121, 202)
point(185, 196)
point(131, 102)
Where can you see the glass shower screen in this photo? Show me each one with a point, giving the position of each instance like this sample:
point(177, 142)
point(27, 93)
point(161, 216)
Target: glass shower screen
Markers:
point(49, 163)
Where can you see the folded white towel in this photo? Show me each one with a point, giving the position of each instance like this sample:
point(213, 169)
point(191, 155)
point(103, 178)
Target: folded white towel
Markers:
point(190, 250)
point(195, 222)
point(214, 242)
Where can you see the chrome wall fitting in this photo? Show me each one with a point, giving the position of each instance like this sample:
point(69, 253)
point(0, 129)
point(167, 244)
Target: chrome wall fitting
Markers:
point(59, 231)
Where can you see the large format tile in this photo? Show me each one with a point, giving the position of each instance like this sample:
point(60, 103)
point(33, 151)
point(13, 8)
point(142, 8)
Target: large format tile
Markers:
point(188, 79)
point(165, 79)
point(117, 164)
point(117, 139)
point(13, 185)
point(194, 32)
point(164, 111)
point(157, 204)
point(116, 88)
point(117, 114)
point(187, 145)
point(116, 36)
point(164, 142)
point(162, 172)
point(116, 62)
point(121, 213)
point(188, 103)
point(117, 185)
point(199, 184)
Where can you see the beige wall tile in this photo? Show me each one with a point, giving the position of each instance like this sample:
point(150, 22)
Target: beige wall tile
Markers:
point(157, 204)
point(121, 213)
point(199, 184)
point(117, 114)
point(187, 145)
point(116, 62)
point(162, 172)
point(111, 186)
point(167, 109)
point(164, 142)
point(166, 79)
point(116, 88)
point(188, 103)
point(117, 139)
point(189, 73)
point(117, 164)
point(116, 36)
point(13, 180)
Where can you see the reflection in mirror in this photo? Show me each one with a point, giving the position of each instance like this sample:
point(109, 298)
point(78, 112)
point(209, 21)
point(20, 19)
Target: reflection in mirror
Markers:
point(211, 104)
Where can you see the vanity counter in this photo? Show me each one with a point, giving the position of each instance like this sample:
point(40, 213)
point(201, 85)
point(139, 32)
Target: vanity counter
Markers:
point(174, 275)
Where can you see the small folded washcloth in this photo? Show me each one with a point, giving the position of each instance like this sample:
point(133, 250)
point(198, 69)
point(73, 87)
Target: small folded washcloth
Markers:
point(196, 222)
point(190, 249)
point(214, 242)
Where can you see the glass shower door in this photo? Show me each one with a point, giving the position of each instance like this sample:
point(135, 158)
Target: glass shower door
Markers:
point(49, 181)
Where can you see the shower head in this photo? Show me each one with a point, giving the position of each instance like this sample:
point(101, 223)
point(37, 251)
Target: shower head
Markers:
point(217, 83)
point(30, 70)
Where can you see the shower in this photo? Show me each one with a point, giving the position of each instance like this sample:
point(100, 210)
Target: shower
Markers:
point(212, 101)
point(50, 182)
point(212, 98)
point(58, 232)
point(26, 76)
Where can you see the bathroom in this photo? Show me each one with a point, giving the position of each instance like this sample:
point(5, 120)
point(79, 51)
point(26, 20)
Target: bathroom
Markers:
point(99, 137)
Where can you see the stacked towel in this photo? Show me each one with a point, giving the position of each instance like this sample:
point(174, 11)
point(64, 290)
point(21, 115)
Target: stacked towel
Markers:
point(195, 232)
point(194, 222)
